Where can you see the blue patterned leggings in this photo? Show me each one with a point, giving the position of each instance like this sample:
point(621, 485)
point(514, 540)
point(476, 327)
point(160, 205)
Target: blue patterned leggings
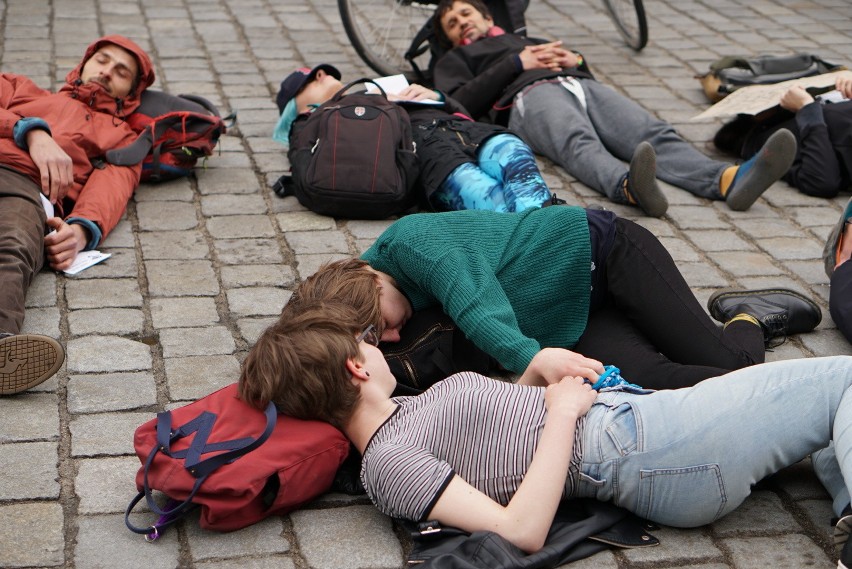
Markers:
point(505, 178)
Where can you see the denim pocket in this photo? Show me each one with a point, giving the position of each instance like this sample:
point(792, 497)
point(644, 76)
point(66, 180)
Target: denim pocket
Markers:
point(621, 430)
point(682, 497)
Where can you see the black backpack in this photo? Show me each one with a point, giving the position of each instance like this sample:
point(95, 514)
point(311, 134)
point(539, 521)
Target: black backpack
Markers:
point(432, 348)
point(727, 74)
point(175, 131)
point(353, 157)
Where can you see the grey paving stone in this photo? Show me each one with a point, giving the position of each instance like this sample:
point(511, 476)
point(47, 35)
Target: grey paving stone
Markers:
point(310, 242)
point(183, 312)
point(257, 301)
point(236, 181)
point(820, 514)
point(174, 245)
point(29, 417)
point(181, 278)
point(115, 321)
point(93, 354)
point(696, 217)
point(42, 291)
point(306, 265)
point(109, 434)
point(197, 376)
point(230, 204)
point(43, 321)
point(791, 248)
point(111, 392)
point(602, 560)
point(252, 328)
point(346, 538)
point(28, 471)
point(676, 545)
point(174, 190)
point(106, 485)
point(248, 251)
point(304, 221)
point(102, 293)
point(166, 216)
point(210, 340)
point(744, 263)
point(761, 512)
point(38, 537)
point(123, 548)
point(793, 551)
point(825, 342)
point(240, 227)
point(266, 562)
point(258, 275)
point(264, 537)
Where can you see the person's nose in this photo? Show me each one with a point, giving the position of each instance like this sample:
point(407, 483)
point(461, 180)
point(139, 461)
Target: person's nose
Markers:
point(390, 335)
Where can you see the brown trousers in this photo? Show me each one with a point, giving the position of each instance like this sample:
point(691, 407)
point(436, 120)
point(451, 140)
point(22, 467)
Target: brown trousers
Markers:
point(22, 227)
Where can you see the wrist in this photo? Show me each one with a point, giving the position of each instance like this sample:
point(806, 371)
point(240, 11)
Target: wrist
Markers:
point(24, 126)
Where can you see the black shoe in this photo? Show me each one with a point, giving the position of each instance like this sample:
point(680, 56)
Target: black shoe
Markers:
point(780, 312)
point(642, 188)
point(27, 360)
point(842, 529)
point(554, 200)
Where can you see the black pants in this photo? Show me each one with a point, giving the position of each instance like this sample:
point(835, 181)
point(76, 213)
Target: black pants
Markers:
point(652, 326)
point(840, 298)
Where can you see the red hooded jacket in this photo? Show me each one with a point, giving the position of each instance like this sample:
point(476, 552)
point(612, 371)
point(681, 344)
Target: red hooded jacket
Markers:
point(85, 121)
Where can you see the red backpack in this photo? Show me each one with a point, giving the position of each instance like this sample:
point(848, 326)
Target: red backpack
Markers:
point(175, 131)
point(237, 463)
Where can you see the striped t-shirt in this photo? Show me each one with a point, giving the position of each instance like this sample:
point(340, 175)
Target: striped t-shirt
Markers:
point(484, 430)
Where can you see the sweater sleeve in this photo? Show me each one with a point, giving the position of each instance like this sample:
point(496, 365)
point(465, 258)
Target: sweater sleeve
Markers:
point(468, 290)
point(816, 171)
point(477, 93)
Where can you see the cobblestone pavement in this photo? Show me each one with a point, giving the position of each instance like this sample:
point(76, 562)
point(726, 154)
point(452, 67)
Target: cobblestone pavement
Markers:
point(200, 267)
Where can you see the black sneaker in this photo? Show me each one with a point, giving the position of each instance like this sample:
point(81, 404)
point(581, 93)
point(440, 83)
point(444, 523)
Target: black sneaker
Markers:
point(27, 360)
point(642, 188)
point(780, 312)
point(842, 529)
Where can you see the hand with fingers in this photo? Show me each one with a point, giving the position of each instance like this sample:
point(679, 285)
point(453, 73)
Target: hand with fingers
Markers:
point(795, 98)
point(54, 164)
point(550, 365)
point(572, 396)
point(63, 244)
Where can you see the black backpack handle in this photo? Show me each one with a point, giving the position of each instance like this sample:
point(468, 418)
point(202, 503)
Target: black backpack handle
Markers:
point(337, 96)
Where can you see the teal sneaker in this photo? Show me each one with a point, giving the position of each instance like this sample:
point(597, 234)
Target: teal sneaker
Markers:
point(829, 253)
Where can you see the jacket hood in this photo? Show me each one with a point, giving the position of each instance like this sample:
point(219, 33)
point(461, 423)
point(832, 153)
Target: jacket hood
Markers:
point(98, 97)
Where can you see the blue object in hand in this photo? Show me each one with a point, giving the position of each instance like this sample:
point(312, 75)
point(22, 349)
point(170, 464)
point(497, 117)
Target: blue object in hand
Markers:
point(611, 377)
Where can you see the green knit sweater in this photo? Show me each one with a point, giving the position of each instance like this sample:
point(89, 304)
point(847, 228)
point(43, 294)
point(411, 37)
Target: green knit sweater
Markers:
point(513, 282)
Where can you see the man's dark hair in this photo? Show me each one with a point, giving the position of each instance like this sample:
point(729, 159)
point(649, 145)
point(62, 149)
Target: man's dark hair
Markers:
point(443, 7)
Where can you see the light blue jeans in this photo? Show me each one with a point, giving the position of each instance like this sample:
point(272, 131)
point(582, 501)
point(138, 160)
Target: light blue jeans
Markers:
point(687, 457)
point(504, 178)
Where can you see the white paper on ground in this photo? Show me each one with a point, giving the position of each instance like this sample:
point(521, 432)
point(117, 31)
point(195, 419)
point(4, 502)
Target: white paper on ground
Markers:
point(84, 260)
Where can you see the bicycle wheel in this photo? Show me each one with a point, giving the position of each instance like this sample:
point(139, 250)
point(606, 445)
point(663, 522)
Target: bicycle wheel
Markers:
point(629, 18)
point(382, 30)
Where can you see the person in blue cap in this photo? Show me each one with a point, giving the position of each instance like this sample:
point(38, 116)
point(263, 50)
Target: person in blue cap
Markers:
point(463, 164)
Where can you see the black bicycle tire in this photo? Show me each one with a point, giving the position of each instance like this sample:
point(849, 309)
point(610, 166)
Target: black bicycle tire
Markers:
point(637, 41)
point(364, 51)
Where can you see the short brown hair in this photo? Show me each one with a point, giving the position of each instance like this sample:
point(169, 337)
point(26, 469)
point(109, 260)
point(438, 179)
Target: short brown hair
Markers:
point(445, 6)
point(299, 363)
point(350, 281)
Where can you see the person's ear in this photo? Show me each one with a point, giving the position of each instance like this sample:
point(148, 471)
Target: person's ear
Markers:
point(356, 370)
point(319, 75)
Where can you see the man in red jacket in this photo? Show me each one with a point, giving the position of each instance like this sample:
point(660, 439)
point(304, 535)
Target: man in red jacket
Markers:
point(52, 145)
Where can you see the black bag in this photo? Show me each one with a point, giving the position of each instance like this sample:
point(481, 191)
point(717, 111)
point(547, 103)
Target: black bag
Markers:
point(432, 348)
point(354, 158)
point(580, 529)
point(728, 74)
point(175, 131)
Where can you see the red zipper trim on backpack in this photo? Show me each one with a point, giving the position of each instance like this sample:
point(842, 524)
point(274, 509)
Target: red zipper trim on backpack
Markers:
point(376, 161)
